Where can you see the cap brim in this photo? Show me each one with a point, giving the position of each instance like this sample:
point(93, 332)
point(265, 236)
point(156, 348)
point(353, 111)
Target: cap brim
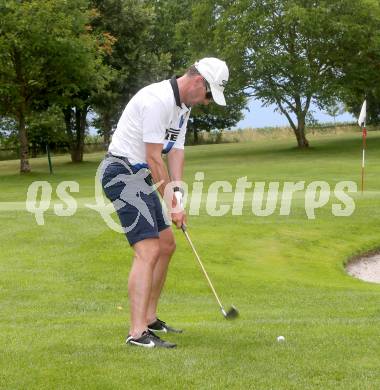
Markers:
point(217, 95)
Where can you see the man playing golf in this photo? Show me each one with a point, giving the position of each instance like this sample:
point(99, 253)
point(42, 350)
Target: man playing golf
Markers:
point(154, 123)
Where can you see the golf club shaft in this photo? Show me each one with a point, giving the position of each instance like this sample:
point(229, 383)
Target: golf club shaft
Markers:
point(203, 268)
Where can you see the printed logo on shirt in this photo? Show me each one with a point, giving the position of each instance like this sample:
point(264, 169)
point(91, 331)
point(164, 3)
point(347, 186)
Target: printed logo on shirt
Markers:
point(172, 134)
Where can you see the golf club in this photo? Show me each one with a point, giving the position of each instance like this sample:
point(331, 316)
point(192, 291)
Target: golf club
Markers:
point(232, 312)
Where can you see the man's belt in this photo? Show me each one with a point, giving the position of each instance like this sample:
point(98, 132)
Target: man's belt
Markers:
point(136, 167)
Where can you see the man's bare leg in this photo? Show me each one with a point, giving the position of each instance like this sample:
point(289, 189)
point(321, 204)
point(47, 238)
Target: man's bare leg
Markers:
point(147, 253)
point(167, 248)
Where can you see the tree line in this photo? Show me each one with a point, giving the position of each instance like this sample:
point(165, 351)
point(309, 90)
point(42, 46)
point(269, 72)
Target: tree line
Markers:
point(61, 60)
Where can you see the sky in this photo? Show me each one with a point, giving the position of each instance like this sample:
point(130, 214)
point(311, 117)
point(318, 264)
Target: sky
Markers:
point(258, 116)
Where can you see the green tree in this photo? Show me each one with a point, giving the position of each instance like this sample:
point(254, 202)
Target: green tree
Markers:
point(8, 133)
point(82, 76)
point(134, 63)
point(360, 68)
point(169, 37)
point(196, 36)
point(46, 128)
point(289, 52)
point(336, 108)
point(47, 55)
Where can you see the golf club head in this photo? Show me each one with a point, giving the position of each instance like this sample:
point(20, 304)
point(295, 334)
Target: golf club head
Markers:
point(231, 313)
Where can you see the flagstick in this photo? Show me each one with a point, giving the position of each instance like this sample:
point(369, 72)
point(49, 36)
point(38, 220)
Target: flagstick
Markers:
point(363, 159)
point(361, 123)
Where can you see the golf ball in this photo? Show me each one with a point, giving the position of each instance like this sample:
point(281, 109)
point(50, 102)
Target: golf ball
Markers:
point(280, 339)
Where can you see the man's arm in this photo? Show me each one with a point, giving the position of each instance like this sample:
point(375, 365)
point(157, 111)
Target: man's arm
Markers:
point(160, 175)
point(176, 158)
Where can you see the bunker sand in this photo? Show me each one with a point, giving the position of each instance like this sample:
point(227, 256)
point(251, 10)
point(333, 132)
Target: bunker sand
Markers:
point(366, 268)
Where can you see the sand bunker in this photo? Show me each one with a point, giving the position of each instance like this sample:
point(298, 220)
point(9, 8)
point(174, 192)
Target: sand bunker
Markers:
point(366, 268)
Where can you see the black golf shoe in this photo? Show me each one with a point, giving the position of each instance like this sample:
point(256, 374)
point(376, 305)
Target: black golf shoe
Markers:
point(161, 326)
point(149, 340)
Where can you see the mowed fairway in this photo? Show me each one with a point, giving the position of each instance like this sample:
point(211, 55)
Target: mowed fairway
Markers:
point(63, 286)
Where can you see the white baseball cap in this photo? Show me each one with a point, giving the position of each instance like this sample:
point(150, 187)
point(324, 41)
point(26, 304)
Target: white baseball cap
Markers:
point(216, 73)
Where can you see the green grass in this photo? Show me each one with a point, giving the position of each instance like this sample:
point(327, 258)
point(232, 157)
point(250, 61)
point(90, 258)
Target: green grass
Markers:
point(63, 286)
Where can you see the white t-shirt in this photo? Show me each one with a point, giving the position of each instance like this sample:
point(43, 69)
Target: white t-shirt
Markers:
point(154, 115)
